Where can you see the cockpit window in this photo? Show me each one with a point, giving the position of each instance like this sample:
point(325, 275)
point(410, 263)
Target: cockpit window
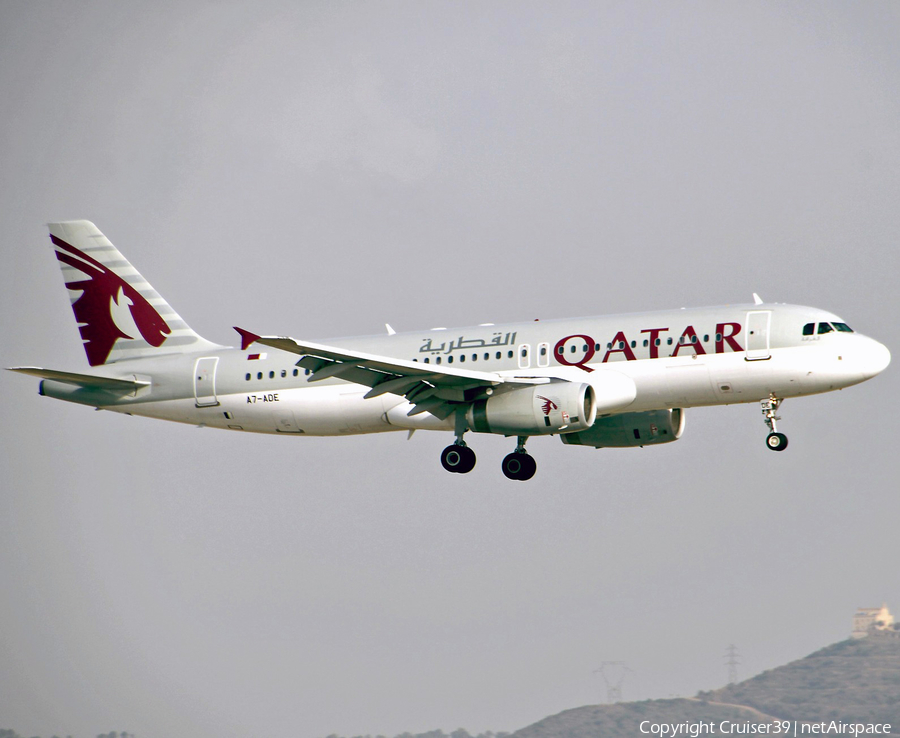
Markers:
point(809, 329)
point(843, 327)
point(825, 328)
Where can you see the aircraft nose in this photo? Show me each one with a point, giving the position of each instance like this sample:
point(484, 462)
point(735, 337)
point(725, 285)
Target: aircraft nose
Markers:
point(875, 358)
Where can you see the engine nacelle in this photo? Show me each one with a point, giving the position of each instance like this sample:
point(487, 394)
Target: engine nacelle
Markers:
point(536, 411)
point(631, 429)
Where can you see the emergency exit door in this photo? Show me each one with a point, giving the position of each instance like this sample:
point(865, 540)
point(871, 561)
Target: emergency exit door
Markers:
point(205, 381)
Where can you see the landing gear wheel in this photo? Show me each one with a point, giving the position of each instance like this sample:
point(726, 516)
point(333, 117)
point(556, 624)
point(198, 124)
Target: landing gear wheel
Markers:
point(458, 459)
point(519, 465)
point(776, 441)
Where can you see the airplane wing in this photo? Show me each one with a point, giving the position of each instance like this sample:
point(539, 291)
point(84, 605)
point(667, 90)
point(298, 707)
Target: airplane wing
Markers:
point(430, 388)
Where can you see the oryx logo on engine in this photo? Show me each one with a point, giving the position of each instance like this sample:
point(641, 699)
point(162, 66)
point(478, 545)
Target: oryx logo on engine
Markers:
point(548, 404)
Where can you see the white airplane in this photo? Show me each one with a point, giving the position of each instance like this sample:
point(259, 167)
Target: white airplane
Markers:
point(616, 380)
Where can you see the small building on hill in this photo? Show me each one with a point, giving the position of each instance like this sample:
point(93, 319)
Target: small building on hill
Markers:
point(868, 619)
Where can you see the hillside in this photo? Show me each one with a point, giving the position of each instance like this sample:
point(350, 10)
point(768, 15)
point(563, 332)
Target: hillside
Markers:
point(854, 680)
point(622, 719)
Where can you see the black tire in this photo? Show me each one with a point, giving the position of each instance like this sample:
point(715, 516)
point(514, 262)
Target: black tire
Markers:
point(519, 466)
point(468, 462)
point(776, 441)
point(529, 467)
point(458, 459)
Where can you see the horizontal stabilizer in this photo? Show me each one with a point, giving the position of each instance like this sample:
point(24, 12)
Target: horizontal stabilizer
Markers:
point(82, 380)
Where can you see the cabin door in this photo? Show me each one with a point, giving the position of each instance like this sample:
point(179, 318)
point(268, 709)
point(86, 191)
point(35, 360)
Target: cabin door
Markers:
point(758, 322)
point(205, 381)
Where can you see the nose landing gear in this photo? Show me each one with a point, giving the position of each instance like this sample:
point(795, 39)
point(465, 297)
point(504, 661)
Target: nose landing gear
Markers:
point(775, 440)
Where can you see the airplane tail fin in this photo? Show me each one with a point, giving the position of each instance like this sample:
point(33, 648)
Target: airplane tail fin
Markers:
point(119, 315)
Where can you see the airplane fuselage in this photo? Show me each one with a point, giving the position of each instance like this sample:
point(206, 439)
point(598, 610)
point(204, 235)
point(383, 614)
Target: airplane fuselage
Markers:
point(676, 359)
point(608, 381)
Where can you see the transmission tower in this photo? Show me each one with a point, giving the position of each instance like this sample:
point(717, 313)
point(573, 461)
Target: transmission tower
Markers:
point(613, 673)
point(732, 661)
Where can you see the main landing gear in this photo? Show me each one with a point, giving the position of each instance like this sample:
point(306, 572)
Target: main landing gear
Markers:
point(519, 464)
point(460, 459)
point(775, 440)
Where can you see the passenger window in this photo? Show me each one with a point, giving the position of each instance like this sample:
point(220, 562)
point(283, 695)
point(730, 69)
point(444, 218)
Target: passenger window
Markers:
point(809, 329)
point(450, 359)
point(462, 357)
point(487, 356)
point(543, 354)
point(524, 356)
point(499, 354)
point(427, 361)
point(825, 328)
point(510, 354)
point(669, 340)
point(259, 375)
point(437, 360)
point(271, 375)
point(296, 372)
point(247, 377)
point(284, 372)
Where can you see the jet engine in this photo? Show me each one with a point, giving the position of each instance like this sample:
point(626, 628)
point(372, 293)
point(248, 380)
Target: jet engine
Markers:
point(631, 429)
point(539, 410)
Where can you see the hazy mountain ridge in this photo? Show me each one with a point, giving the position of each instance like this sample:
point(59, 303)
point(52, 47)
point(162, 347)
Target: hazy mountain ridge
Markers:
point(8, 733)
point(854, 680)
point(458, 733)
point(849, 681)
point(623, 718)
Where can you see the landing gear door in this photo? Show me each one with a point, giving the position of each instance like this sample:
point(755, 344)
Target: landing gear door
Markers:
point(758, 322)
point(205, 381)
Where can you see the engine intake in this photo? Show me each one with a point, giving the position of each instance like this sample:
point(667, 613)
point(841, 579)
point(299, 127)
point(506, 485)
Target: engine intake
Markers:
point(540, 410)
point(631, 429)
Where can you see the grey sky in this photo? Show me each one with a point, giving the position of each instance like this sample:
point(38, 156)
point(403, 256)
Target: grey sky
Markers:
point(319, 169)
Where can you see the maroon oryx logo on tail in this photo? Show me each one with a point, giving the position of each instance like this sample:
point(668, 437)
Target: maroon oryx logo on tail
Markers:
point(104, 305)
